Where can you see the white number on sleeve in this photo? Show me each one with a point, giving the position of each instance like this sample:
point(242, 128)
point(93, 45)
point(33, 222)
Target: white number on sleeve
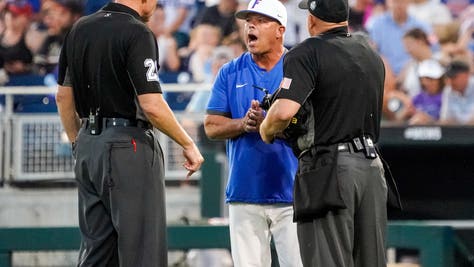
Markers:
point(151, 73)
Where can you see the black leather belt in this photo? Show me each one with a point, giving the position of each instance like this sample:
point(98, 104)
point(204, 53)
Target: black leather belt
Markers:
point(120, 122)
point(341, 147)
point(359, 144)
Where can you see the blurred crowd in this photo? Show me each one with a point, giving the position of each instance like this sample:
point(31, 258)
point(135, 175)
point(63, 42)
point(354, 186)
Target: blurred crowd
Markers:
point(427, 46)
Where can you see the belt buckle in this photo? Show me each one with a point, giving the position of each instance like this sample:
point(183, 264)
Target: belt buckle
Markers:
point(117, 122)
point(342, 147)
point(345, 147)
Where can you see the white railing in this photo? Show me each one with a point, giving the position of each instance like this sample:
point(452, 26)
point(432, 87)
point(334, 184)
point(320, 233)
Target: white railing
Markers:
point(32, 147)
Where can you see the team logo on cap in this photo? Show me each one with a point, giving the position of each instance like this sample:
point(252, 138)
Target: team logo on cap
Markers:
point(312, 5)
point(256, 3)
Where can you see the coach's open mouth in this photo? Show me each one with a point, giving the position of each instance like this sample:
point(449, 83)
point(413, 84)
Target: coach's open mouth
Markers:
point(252, 38)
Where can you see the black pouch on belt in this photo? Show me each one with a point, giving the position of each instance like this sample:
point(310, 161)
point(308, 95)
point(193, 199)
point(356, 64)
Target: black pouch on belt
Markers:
point(316, 188)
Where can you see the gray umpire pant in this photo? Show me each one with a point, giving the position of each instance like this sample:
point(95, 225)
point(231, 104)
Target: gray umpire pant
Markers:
point(120, 180)
point(354, 236)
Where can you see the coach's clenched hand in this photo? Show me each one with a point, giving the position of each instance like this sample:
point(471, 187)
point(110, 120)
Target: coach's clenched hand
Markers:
point(253, 118)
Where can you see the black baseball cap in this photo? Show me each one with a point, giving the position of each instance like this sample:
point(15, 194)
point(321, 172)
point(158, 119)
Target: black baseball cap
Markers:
point(455, 67)
point(327, 10)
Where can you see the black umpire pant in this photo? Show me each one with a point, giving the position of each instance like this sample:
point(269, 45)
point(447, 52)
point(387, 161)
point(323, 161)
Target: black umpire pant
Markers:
point(354, 236)
point(120, 175)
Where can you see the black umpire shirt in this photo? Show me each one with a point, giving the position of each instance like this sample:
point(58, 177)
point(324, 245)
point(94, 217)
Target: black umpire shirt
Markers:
point(109, 58)
point(343, 77)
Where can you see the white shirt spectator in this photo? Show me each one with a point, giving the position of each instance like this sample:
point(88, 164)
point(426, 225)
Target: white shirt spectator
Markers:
point(431, 12)
point(171, 8)
point(296, 31)
point(411, 84)
point(458, 107)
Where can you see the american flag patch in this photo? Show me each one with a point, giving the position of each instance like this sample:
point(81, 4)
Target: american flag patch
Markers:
point(285, 83)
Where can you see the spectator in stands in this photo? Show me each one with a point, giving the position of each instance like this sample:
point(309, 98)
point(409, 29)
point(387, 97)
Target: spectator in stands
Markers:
point(179, 16)
point(38, 29)
point(204, 39)
point(3, 4)
point(448, 37)
point(466, 39)
point(60, 16)
point(35, 4)
point(431, 12)
point(428, 102)
point(397, 106)
point(455, 40)
point(467, 13)
point(296, 25)
point(416, 43)
point(15, 55)
point(457, 6)
point(387, 32)
point(220, 15)
point(168, 48)
point(220, 56)
point(359, 13)
point(3, 74)
point(458, 99)
point(236, 44)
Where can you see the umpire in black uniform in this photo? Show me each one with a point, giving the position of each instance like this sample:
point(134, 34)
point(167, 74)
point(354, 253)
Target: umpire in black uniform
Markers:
point(332, 89)
point(109, 99)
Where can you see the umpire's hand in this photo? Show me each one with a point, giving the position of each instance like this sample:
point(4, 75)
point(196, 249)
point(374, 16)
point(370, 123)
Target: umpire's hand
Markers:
point(193, 160)
point(254, 117)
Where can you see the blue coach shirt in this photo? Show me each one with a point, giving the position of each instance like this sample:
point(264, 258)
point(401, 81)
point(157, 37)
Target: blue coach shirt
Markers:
point(259, 173)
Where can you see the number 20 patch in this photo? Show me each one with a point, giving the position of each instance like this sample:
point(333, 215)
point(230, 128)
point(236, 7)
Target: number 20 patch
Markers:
point(152, 70)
